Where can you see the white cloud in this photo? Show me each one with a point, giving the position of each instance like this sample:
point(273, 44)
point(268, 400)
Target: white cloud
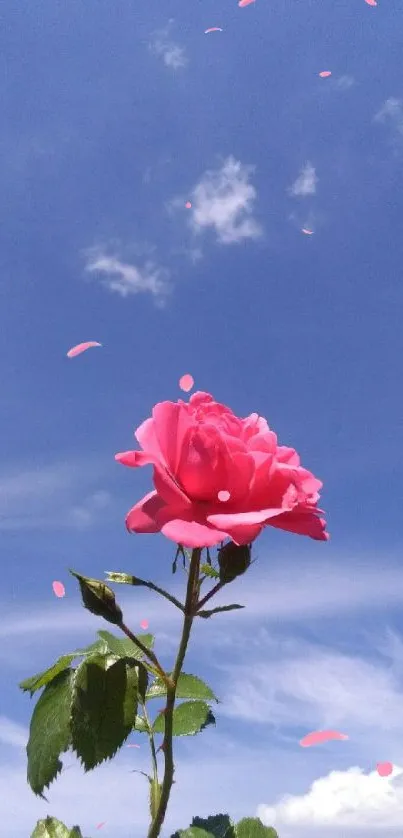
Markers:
point(345, 82)
point(32, 499)
point(173, 55)
point(314, 687)
point(223, 201)
point(305, 183)
point(392, 112)
point(351, 799)
point(12, 733)
point(126, 279)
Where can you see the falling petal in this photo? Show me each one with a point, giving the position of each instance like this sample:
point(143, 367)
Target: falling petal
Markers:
point(186, 382)
point(188, 205)
point(100, 825)
point(58, 589)
point(144, 624)
point(319, 736)
point(224, 495)
point(133, 746)
point(243, 3)
point(212, 29)
point(384, 768)
point(371, 2)
point(81, 347)
point(307, 232)
point(325, 74)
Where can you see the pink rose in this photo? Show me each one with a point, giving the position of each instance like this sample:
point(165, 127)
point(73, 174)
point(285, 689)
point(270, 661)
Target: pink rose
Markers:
point(200, 449)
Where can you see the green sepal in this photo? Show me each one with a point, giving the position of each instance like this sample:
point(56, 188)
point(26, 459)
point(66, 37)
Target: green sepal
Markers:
point(217, 610)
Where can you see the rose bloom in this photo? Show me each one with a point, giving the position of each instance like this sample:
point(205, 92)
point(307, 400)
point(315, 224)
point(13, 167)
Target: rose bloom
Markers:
point(200, 449)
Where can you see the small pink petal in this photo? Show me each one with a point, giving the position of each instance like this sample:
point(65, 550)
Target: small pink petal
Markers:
point(81, 347)
point(307, 232)
point(243, 3)
point(133, 746)
point(58, 589)
point(100, 825)
point(144, 624)
point(325, 74)
point(384, 768)
point(188, 205)
point(319, 736)
point(223, 495)
point(186, 382)
point(371, 2)
point(212, 29)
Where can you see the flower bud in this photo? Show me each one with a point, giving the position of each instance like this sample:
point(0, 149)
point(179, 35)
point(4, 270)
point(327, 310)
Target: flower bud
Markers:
point(233, 560)
point(99, 599)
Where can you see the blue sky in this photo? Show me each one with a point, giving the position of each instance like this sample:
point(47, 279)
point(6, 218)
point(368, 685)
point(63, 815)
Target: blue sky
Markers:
point(115, 115)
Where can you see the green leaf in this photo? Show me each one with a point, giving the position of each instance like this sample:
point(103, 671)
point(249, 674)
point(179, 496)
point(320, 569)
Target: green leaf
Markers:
point(218, 609)
point(192, 832)
point(253, 828)
point(99, 647)
point(49, 733)
point(123, 647)
point(37, 681)
point(104, 708)
point(52, 828)
point(188, 718)
point(188, 686)
point(209, 571)
point(218, 825)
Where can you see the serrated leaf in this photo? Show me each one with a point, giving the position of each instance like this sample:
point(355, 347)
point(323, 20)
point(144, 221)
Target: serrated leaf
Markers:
point(36, 682)
point(209, 571)
point(49, 733)
point(123, 647)
point(189, 718)
point(218, 609)
point(188, 686)
point(218, 825)
point(104, 708)
point(98, 647)
point(52, 828)
point(253, 828)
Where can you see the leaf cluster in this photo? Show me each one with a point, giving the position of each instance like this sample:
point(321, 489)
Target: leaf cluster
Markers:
point(93, 706)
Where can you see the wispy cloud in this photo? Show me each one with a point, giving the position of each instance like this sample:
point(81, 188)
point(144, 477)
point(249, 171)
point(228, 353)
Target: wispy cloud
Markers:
point(173, 55)
point(392, 113)
point(12, 733)
point(305, 684)
point(32, 499)
point(305, 184)
point(351, 799)
point(126, 279)
point(344, 82)
point(223, 201)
